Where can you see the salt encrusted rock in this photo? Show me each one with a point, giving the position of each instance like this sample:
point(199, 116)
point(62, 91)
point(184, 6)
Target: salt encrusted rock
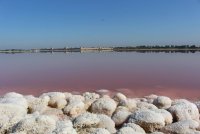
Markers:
point(166, 115)
point(118, 97)
point(13, 95)
point(98, 131)
point(37, 104)
point(35, 124)
point(75, 107)
point(184, 110)
point(199, 126)
point(194, 132)
point(151, 98)
point(57, 99)
point(64, 127)
point(10, 114)
point(14, 98)
point(178, 101)
point(86, 120)
point(162, 102)
point(103, 92)
point(60, 104)
point(104, 106)
point(198, 105)
point(135, 127)
point(141, 100)
point(105, 96)
point(79, 97)
point(135, 115)
point(89, 98)
point(145, 105)
point(127, 130)
point(106, 122)
point(56, 114)
point(17, 101)
point(18, 133)
point(130, 104)
point(120, 115)
point(67, 95)
point(157, 133)
point(149, 120)
point(181, 127)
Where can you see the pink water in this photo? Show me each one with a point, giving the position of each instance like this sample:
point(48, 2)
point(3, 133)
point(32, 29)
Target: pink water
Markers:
point(135, 74)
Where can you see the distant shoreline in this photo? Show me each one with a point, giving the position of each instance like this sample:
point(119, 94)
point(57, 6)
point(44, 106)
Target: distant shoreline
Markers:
point(167, 48)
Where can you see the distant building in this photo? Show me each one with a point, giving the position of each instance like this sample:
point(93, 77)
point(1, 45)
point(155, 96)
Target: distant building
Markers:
point(35, 50)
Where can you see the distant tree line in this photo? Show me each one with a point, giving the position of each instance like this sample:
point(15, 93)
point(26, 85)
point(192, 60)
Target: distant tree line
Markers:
point(159, 47)
point(168, 46)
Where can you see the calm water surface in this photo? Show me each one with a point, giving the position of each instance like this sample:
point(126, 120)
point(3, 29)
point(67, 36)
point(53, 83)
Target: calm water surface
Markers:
point(135, 74)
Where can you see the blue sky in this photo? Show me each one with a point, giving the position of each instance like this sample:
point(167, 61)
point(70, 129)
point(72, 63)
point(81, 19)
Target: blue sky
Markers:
point(59, 23)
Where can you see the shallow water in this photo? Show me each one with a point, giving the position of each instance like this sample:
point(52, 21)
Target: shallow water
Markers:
point(135, 74)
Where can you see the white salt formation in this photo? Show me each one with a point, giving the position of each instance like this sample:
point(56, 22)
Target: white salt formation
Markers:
point(93, 113)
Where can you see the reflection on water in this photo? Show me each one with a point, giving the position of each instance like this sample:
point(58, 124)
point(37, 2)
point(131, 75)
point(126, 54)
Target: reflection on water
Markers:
point(136, 74)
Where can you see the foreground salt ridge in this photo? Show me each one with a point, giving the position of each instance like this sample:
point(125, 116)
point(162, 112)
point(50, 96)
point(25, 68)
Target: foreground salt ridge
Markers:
point(92, 113)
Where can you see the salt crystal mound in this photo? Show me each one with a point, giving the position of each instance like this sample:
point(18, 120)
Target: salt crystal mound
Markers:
point(93, 113)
